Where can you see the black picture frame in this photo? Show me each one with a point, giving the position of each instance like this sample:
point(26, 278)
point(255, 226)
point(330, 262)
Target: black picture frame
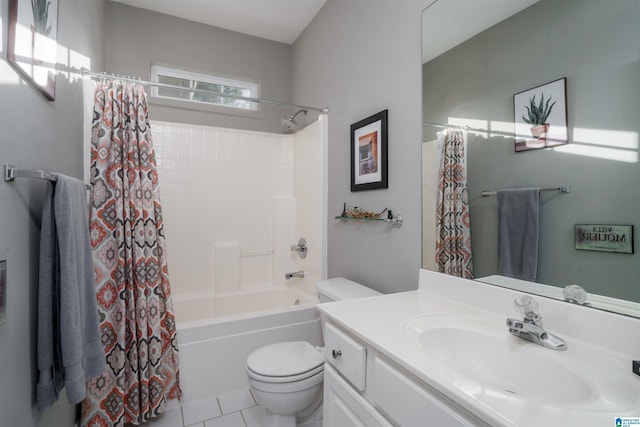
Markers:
point(369, 153)
point(32, 42)
point(548, 101)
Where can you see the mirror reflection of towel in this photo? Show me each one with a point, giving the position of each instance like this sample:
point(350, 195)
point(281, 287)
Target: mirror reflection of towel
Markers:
point(518, 232)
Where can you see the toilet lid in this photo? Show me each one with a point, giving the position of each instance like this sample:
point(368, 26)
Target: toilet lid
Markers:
point(285, 359)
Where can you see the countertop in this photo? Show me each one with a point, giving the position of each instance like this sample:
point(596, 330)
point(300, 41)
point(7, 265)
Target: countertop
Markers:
point(379, 322)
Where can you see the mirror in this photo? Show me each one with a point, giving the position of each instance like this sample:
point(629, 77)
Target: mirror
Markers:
point(472, 82)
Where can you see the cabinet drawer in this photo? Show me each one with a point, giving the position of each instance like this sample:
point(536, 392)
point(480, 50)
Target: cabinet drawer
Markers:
point(406, 403)
point(347, 355)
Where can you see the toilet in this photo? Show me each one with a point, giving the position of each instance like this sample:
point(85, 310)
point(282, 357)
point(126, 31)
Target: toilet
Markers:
point(286, 378)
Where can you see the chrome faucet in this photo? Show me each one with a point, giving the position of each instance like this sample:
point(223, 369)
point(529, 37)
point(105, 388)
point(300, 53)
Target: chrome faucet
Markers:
point(299, 274)
point(300, 248)
point(531, 328)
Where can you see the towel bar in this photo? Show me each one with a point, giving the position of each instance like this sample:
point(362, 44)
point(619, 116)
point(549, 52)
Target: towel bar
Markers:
point(11, 173)
point(565, 189)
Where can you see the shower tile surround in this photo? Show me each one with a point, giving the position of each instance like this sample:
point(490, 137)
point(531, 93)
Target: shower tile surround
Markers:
point(233, 203)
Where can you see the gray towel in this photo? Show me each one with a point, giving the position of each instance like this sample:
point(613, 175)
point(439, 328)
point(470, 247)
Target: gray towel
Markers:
point(518, 232)
point(69, 347)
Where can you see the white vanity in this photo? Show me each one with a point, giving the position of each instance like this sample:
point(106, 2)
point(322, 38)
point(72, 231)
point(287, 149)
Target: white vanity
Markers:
point(443, 356)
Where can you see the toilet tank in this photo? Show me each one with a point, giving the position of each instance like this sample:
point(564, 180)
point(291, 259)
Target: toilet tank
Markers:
point(339, 289)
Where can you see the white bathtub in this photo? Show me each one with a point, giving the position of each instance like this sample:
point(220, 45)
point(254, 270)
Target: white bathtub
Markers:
point(194, 311)
point(214, 349)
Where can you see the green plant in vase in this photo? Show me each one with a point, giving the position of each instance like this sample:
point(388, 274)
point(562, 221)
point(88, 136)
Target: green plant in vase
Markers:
point(40, 10)
point(537, 115)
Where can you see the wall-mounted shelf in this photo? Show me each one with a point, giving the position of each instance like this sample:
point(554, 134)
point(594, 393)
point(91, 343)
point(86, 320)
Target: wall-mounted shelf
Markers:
point(356, 214)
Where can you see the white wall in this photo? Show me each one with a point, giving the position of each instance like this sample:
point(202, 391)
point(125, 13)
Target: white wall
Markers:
point(359, 57)
point(234, 201)
point(37, 134)
point(309, 187)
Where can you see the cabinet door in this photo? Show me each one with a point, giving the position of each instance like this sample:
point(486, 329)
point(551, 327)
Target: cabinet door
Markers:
point(344, 407)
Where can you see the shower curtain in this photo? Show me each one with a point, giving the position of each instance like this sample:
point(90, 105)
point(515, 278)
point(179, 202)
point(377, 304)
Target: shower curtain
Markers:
point(132, 285)
point(453, 228)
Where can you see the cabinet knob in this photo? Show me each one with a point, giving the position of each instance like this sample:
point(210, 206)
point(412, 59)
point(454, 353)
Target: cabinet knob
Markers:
point(336, 353)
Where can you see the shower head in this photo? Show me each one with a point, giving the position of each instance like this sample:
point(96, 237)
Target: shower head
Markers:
point(290, 121)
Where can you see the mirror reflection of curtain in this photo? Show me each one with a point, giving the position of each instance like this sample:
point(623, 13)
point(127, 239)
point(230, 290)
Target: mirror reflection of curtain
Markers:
point(133, 292)
point(453, 227)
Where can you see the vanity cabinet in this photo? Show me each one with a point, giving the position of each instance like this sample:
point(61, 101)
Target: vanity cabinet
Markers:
point(362, 387)
point(345, 407)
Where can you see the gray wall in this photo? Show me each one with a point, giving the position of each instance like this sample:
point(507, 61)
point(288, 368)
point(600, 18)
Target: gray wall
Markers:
point(136, 38)
point(359, 57)
point(36, 134)
point(594, 45)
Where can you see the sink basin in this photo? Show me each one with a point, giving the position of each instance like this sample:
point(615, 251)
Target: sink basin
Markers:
point(506, 366)
point(480, 357)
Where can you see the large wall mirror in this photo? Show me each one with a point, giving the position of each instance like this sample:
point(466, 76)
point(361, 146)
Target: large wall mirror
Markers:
point(594, 45)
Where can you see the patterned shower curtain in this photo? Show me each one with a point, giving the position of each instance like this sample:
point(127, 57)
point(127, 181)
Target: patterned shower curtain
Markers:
point(453, 227)
point(134, 299)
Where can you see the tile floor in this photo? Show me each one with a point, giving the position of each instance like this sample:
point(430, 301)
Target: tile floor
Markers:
point(234, 409)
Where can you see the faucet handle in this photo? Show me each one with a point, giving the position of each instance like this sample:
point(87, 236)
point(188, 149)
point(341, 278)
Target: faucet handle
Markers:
point(574, 294)
point(527, 306)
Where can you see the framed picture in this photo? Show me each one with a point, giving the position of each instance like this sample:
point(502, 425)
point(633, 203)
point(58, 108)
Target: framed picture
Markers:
point(369, 153)
point(32, 43)
point(540, 116)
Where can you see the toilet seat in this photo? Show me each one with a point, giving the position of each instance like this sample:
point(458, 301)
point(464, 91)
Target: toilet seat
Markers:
point(285, 379)
point(285, 362)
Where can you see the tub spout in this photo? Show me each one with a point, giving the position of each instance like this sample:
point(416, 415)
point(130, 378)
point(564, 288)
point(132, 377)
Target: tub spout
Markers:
point(299, 274)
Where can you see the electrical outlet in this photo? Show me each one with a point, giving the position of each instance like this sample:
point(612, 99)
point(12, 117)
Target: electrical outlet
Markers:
point(3, 291)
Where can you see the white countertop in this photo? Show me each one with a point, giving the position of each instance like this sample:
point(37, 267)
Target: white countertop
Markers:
point(378, 321)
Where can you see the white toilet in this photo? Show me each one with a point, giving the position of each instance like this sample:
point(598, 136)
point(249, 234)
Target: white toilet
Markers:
point(286, 378)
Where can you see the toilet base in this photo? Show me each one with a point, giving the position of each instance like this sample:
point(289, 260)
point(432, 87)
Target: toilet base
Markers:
point(277, 420)
point(313, 419)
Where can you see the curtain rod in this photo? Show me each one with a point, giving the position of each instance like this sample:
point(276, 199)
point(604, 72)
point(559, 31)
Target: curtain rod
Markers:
point(469, 129)
point(96, 75)
point(565, 189)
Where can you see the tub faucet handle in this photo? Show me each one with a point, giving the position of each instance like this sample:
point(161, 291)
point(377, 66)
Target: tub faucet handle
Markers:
point(300, 248)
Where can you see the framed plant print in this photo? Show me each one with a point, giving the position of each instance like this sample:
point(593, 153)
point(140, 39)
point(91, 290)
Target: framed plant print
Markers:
point(540, 116)
point(369, 153)
point(32, 43)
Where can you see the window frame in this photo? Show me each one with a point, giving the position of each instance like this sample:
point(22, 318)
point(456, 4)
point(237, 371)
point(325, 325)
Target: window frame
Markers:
point(193, 78)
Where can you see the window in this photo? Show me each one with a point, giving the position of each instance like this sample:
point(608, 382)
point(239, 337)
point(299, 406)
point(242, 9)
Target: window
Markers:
point(190, 81)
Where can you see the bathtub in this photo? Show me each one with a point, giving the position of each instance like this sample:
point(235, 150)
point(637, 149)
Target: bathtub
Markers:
point(203, 310)
point(217, 334)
